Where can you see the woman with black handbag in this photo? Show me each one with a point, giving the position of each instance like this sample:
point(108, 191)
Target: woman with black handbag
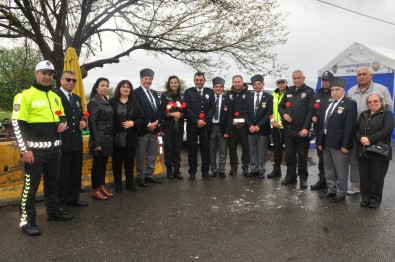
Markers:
point(128, 117)
point(101, 137)
point(374, 131)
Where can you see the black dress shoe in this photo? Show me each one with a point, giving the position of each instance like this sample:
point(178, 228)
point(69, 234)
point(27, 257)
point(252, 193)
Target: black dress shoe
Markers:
point(222, 174)
point(338, 198)
point(77, 203)
point(178, 176)
point(327, 195)
point(60, 215)
point(152, 180)
point(131, 188)
point(232, 172)
point(374, 205)
point(31, 229)
point(245, 171)
point(287, 181)
point(321, 184)
point(364, 204)
point(206, 176)
point(142, 183)
point(214, 174)
point(303, 184)
point(261, 175)
point(251, 174)
point(274, 174)
point(192, 177)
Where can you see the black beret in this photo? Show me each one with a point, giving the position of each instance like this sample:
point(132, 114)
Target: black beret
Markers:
point(146, 72)
point(218, 80)
point(257, 78)
point(337, 81)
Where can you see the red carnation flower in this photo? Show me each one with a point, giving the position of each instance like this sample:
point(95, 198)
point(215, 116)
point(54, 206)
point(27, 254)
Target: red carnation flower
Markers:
point(183, 105)
point(174, 105)
point(316, 105)
point(270, 117)
point(86, 114)
point(237, 114)
point(201, 115)
point(287, 104)
point(58, 112)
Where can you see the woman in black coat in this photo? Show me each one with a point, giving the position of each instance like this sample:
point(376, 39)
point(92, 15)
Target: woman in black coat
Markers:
point(375, 126)
point(101, 135)
point(172, 127)
point(128, 118)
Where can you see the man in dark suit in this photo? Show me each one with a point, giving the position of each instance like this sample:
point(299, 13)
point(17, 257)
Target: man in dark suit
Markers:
point(147, 136)
point(258, 108)
point(200, 112)
point(71, 162)
point(222, 124)
point(335, 134)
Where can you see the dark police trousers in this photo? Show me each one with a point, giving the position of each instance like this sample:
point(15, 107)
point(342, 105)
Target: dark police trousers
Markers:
point(297, 149)
point(46, 162)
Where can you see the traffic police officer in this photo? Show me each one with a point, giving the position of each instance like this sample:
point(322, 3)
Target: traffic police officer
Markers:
point(38, 119)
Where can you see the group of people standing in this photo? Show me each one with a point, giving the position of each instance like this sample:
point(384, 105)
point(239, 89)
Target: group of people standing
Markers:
point(48, 128)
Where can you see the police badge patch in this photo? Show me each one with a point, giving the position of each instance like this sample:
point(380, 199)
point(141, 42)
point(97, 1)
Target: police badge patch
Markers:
point(303, 95)
point(17, 107)
point(225, 108)
point(263, 104)
point(244, 96)
point(231, 97)
point(207, 96)
point(78, 104)
point(56, 101)
point(340, 110)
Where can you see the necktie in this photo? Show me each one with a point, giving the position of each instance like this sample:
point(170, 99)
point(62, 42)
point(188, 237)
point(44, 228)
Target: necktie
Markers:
point(151, 98)
point(201, 93)
point(256, 104)
point(71, 99)
point(328, 115)
point(216, 115)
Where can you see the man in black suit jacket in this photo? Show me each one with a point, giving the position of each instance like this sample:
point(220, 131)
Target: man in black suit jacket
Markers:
point(258, 108)
point(200, 111)
point(335, 133)
point(71, 162)
point(147, 136)
point(222, 124)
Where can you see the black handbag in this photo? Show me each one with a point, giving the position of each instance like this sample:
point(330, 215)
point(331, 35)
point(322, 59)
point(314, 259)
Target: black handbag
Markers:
point(379, 151)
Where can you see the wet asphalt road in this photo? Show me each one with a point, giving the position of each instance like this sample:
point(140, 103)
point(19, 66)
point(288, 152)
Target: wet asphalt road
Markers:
point(232, 219)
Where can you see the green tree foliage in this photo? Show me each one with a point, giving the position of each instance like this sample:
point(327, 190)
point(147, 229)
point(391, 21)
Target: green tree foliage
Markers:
point(203, 34)
point(16, 72)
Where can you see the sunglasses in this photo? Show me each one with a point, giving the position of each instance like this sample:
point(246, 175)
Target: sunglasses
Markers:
point(70, 80)
point(280, 82)
point(373, 101)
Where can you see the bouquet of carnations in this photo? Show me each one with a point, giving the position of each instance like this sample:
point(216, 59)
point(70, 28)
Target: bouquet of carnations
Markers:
point(176, 106)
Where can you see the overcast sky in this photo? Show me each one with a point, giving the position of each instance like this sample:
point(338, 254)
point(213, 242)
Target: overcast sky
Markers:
point(318, 33)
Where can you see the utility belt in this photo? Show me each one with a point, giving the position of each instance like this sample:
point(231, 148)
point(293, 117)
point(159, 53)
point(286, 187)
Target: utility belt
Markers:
point(240, 122)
